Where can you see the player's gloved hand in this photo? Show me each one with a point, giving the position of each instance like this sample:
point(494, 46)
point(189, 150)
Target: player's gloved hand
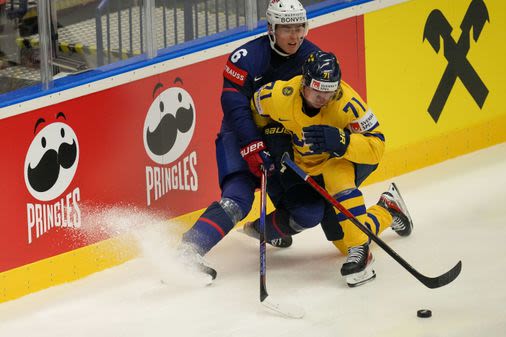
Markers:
point(256, 156)
point(324, 138)
point(278, 140)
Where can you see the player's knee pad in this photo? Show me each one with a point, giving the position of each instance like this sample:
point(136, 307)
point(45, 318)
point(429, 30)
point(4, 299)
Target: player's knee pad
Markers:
point(352, 199)
point(232, 209)
point(331, 224)
point(239, 188)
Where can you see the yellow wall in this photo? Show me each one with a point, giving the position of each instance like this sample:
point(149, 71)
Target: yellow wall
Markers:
point(403, 72)
point(66, 267)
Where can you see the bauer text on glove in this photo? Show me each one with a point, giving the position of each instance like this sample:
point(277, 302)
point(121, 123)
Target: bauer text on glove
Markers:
point(256, 156)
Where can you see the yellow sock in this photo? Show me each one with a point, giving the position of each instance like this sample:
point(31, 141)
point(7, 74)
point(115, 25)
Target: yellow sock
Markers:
point(377, 219)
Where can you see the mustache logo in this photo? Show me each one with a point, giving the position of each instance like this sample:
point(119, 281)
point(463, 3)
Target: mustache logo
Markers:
point(169, 124)
point(51, 160)
point(163, 138)
point(45, 175)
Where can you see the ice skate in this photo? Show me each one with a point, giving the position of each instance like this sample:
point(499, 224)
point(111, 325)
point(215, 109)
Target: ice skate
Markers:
point(357, 269)
point(393, 202)
point(283, 242)
point(192, 260)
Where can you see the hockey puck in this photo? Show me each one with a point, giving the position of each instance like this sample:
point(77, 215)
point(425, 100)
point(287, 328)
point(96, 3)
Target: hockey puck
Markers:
point(424, 313)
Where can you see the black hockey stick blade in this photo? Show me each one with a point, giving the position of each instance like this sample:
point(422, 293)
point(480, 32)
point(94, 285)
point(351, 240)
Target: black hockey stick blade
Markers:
point(441, 280)
point(430, 282)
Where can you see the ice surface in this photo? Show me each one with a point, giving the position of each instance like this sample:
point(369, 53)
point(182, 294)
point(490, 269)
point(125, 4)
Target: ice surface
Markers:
point(457, 207)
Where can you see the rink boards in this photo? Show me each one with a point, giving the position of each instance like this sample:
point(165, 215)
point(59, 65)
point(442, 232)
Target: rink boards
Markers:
point(53, 228)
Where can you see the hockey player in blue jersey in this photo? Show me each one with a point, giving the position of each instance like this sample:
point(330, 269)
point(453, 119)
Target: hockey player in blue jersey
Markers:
point(240, 149)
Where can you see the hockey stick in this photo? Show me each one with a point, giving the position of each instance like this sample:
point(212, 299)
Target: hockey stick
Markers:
point(430, 282)
point(289, 311)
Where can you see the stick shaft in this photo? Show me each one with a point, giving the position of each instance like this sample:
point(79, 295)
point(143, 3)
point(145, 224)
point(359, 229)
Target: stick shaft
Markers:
point(263, 258)
point(430, 282)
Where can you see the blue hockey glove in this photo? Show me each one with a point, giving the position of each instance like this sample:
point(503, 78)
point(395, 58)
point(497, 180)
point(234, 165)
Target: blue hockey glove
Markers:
point(256, 156)
point(278, 140)
point(324, 138)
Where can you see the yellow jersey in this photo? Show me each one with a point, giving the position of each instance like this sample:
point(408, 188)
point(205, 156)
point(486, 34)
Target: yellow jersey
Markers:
point(282, 101)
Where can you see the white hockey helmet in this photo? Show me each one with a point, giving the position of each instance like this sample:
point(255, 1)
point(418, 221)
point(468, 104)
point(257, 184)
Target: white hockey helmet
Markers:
point(285, 12)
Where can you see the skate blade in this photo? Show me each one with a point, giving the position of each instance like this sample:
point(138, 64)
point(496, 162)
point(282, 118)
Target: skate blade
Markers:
point(366, 275)
point(355, 282)
point(394, 190)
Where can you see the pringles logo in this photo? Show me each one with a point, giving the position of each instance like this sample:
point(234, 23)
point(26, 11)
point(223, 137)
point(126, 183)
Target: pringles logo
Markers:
point(167, 133)
point(50, 165)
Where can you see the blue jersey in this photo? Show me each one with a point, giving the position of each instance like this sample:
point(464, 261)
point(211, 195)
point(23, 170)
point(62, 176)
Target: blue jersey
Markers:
point(247, 69)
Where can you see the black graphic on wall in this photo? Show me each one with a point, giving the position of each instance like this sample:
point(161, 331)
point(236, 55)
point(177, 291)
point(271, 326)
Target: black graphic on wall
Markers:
point(169, 123)
point(52, 158)
point(436, 28)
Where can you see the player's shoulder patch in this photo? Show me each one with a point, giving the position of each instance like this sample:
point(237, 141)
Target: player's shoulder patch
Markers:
point(237, 67)
point(367, 122)
point(235, 74)
point(287, 91)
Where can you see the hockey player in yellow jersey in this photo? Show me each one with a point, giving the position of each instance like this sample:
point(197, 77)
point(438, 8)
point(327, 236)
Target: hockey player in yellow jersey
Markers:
point(337, 140)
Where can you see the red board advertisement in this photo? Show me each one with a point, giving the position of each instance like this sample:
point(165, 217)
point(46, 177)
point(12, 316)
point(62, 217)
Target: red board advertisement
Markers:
point(148, 144)
point(346, 40)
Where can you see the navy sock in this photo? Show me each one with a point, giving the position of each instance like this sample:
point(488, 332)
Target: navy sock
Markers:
point(209, 229)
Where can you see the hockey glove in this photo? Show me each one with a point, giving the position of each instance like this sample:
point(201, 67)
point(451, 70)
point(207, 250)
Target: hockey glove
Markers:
point(324, 138)
point(256, 156)
point(278, 141)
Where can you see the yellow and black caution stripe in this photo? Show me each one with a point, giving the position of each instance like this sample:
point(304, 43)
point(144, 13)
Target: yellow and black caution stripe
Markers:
point(27, 42)
point(77, 48)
